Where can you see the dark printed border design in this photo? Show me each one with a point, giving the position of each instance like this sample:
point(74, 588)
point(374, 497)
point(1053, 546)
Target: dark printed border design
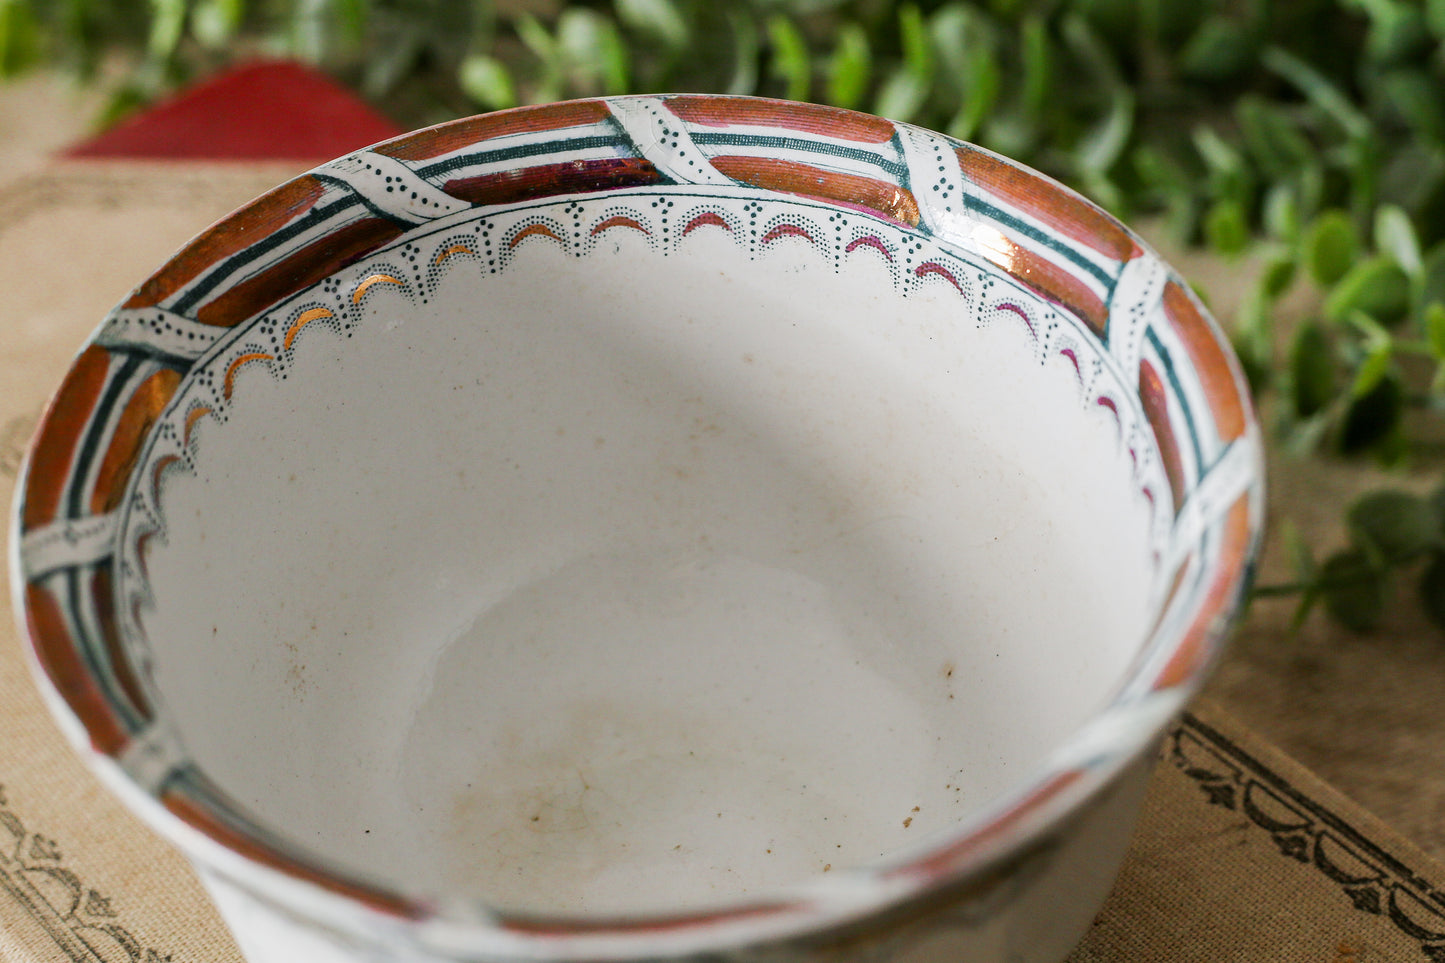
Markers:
point(1374, 881)
point(79, 919)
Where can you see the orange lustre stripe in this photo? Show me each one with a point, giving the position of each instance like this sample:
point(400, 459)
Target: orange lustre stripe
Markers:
point(131, 431)
point(547, 180)
point(1052, 281)
point(259, 219)
point(301, 270)
point(445, 138)
point(1193, 649)
point(59, 434)
point(812, 118)
point(56, 651)
point(1069, 215)
point(887, 199)
point(202, 819)
point(1216, 370)
point(1156, 409)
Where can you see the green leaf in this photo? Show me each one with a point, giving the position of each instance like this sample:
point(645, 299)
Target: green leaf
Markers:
point(1301, 558)
point(1271, 136)
point(1395, 236)
point(915, 41)
point(1226, 226)
point(1394, 526)
point(1375, 286)
point(535, 37)
point(391, 61)
point(1397, 30)
point(850, 67)
point(1312, 370)
point(790, 57)
point(1371, 420)
point(1354, 590)
point(1102, 144)
point(1277, 276)
point(1281, 215)
point(1432, 284)
point(592, 49)
point(1372, 369)
point(1318, 90)
point(659, 19)
point(351, 17)
point(486, 80)
point(745, 53)
point(1432, 589)
point(1435, 329)
point(902, 95)
point(980, 96)
point(214, 22)
point(1414, 95)
point(19, 38)
point(1219, 49)
point(1037, 64)
point(1435, 17)
point(168, 21)
point(1331, 247)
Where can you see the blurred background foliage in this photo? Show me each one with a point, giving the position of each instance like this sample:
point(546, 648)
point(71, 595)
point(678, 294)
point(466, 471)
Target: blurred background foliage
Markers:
point(1308, 134)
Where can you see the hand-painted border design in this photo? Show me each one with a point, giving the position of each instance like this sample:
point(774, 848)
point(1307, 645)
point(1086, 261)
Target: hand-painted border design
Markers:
point(1132, 313)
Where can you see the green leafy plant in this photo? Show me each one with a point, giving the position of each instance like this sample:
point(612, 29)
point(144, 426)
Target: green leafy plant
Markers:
point(1309, 136)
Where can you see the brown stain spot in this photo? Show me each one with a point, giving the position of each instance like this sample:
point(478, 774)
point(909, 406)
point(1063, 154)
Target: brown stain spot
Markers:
point(300, 270)
point(907, 822)
point(259, 219)
point(445, 138)
point(812, 118)
point(131, 430)
point(60, 431)
point(789, 177)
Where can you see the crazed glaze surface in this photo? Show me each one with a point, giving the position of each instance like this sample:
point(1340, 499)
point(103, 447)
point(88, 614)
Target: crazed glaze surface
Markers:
point(637, 507)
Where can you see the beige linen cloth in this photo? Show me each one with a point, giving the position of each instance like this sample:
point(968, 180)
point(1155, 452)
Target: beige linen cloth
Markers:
point(1242, 854)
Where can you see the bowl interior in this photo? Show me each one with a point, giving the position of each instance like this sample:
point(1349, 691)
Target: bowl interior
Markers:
point(636, 573)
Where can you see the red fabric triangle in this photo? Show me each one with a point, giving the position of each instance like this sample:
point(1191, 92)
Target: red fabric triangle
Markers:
point(266, 110)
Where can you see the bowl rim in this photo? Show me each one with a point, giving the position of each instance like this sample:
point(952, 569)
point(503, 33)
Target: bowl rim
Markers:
point(1175, 657)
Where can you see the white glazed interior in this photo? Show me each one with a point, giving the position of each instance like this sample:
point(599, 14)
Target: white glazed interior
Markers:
point(634, 582)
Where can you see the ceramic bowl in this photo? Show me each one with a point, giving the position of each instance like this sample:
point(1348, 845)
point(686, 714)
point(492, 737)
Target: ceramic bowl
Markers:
point(644, 528)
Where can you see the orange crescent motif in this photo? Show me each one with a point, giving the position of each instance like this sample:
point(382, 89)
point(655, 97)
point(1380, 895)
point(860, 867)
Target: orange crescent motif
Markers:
point(532, 230)
point(302, 320)
point(454, 249)
point(193, 416)
point(365, 285)
point(235, 366)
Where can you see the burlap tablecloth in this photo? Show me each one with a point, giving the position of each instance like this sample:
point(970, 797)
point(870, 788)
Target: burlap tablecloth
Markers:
point(1242, 853)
